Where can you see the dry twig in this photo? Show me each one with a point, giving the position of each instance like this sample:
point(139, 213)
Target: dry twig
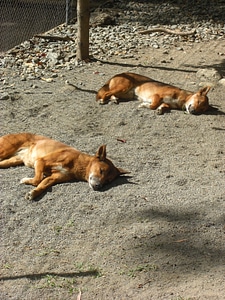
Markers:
point(165, 30)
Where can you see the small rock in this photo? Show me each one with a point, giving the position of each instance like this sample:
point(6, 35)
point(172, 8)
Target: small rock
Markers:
point(54, 75)
point(4, 96)
point(53, 58)
point(156, 46)
point(47, 79)
point(222, 81)
point(31, 77)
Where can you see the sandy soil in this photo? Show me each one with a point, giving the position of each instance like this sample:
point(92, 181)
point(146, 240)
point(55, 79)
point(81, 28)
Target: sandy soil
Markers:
point(156, 234)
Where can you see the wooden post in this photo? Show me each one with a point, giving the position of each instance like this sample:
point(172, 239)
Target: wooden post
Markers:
point(83, 14)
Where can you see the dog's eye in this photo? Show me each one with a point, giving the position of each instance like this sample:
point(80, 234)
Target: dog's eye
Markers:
point(101, 171)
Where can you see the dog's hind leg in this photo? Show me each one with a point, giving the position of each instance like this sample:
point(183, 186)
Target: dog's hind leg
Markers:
point(159, 109)
point(11, 162)
point(117, 92)
point(155, 102)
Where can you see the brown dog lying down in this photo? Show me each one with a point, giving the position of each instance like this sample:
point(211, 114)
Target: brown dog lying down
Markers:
point(55, 162)
point(153, 94)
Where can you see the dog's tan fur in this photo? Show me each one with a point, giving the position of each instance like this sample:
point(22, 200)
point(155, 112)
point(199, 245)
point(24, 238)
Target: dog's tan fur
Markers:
point(153, 94)
point(55, 162)
point(121, 86)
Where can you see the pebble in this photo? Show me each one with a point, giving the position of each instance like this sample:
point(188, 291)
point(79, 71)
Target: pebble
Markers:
point(121, 40)
point(222, 81)
point(4, 96)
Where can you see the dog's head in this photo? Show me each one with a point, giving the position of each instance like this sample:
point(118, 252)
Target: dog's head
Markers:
point(102, 170)
point(198, 103)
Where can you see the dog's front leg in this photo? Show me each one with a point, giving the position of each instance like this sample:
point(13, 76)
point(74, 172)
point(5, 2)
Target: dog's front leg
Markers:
point(162, 108)
point(46, 183)
point(39, 166)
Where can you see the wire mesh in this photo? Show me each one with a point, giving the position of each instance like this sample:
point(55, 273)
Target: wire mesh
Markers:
point(21, 19)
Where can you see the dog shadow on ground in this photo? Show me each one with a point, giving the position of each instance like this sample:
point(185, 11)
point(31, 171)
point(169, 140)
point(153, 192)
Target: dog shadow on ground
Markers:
point(214, 110)
point(118, 181)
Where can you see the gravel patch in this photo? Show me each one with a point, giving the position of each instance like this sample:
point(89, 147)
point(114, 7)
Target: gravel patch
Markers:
point(40, 57)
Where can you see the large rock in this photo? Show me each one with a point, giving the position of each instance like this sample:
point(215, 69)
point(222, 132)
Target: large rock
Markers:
point(208, 75)
point(222, 81)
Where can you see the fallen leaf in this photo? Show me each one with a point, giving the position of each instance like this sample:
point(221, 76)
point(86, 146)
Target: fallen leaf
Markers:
point(121, 140)
point(181, 241)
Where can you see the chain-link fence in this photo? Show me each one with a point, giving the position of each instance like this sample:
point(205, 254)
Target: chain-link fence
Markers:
point(21, 19)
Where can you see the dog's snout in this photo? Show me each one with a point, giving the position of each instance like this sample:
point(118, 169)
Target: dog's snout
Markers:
point(191, 109)
point(96, 187)
point(94, 183)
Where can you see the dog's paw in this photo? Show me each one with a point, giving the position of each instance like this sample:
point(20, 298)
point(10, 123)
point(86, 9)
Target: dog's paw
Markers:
point(113, 100)
point(101, 102)
point(140, 105)
point(144, 104)
point(25, 180)
point(30, 195)
point(159, 111)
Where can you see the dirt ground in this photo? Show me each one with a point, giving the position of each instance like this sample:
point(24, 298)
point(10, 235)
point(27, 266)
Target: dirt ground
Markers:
point(156, 234)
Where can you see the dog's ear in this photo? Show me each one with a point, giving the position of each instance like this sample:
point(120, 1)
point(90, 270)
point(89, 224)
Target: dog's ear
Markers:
point(101, 153)
point(204, 91)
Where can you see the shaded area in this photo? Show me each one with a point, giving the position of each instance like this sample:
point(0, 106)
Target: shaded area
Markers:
point(167, 12)
point(181, 239)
